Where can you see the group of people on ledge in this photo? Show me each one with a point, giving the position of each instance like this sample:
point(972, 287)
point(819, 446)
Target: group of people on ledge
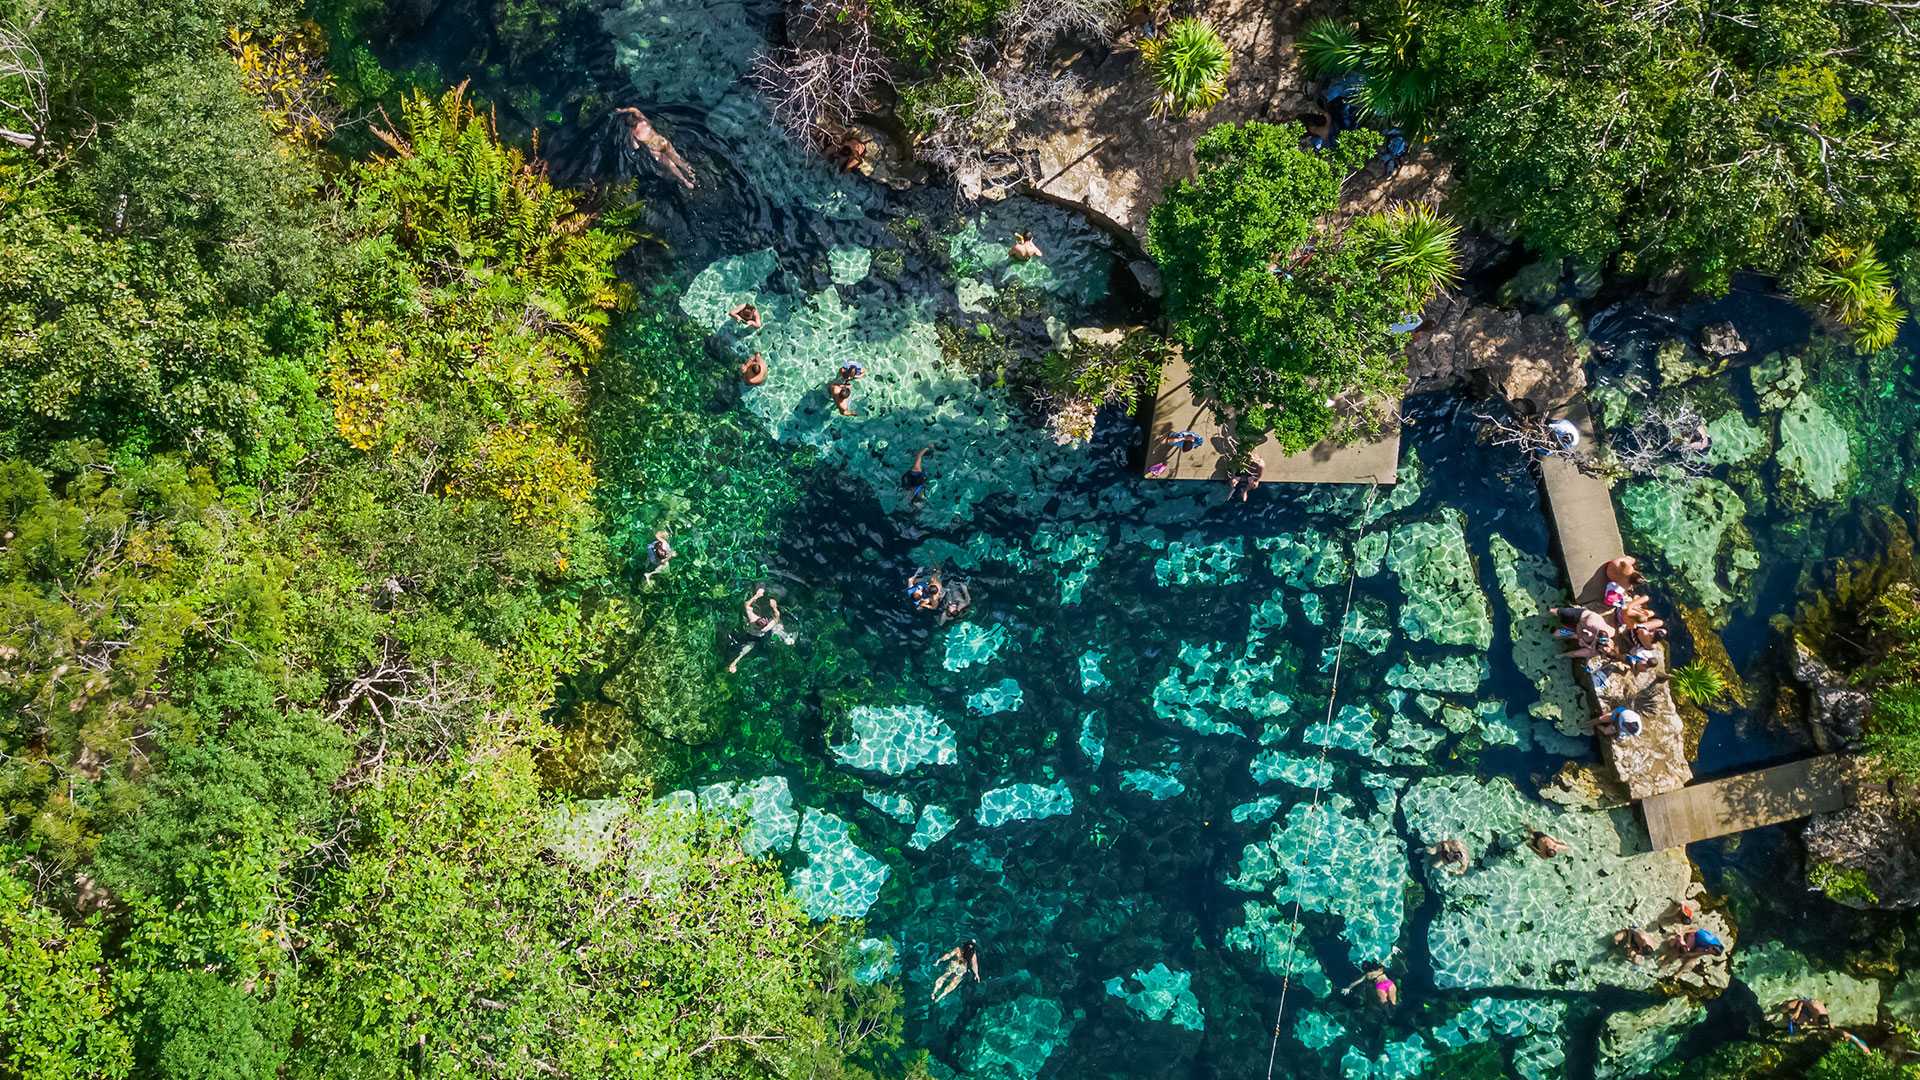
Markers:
point(1626, 632)
point(1678, 933)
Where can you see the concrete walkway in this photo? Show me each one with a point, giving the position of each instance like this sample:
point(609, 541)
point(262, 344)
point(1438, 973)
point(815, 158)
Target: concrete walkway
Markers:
point(1588, 536)
point(1176, 409)
point(1748, 801)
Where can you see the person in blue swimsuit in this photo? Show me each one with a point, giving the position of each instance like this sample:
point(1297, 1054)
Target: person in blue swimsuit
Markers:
point(915, 479)
point(1183, 440)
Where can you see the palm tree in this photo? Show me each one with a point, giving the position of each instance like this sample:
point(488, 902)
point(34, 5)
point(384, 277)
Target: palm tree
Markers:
point(1396, 87)
point(1419, 244)
point(1190, 65)
point(1856, 289)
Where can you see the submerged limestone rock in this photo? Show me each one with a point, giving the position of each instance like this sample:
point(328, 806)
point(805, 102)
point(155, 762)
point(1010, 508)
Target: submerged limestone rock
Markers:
point(1401, 1060)
point(1201, 564)
point(1776, 973)
point(1520, 921)
point(1816, 461)
point(1003, 696)
point(1331, 860)
point(1316, 1030)
point(1633, 1041)
point(1690, 522)
point(1093, 738)
point(1530, 585)
point(1154, 785)
point(875, 960)
point(839, 878)
point(768, 804)
point(1023, 802)
point(896, 739)
point(848, 265)
point(1274, 941)
point(1014, 1039)
point(1735, 440)
point(1164, 994)
point(1443, 603)
point(1284, 766)
point(1448, 675)
point(1091, 677)
point(934, 825)
point(970, 644)
point(1210, 682)
point(897, 807)
point(1530, 1028)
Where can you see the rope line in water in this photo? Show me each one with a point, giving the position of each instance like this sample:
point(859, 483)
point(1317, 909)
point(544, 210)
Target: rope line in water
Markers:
point(1326, 726)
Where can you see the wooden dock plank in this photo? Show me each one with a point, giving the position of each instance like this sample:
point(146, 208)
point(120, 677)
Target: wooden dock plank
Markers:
point(1581, 507)
point(1750, 800)
point(1176, 409)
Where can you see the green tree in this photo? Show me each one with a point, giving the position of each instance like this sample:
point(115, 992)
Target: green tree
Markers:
point(55, 1008)
point(1287, 320)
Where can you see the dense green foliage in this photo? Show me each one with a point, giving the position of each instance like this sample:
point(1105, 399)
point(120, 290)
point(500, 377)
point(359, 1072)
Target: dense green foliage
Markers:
point(1190, 65)
point(1287, 319)
point(299, 533)
point(1660, 138)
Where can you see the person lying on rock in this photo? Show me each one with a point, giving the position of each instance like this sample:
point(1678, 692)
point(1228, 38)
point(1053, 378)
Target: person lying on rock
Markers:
point(746, 315)
point(1636, 943)
point(1451, 854)
point(640, 134)
point(1804, 1012)
point(1546, 846)
point(1698, 942)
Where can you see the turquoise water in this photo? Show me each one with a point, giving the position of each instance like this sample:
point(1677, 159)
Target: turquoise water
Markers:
point(1128, 772)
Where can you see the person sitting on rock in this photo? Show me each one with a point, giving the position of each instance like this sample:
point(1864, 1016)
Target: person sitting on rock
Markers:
point(840, 392)
point(1451, 854)
point(746, 315)
point(1624, 570)
point(1647, 635)
point(1247, 477)
point(961, 960)
point(1023, 248)
point(1698, 941)
point(1562, 434)
point(1804, 1012)
point(1546, 846)
point(850, 151)
point(1621, 723)
point(1636, 943)
point(754, 371)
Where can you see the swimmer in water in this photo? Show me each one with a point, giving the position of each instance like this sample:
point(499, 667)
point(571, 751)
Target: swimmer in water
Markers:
point(754, 371)
point(641, 134)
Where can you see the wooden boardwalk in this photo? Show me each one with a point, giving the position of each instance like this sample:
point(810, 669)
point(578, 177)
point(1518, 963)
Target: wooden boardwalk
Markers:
point(1176, 409)
point(1588, 536)
point(1750, 800)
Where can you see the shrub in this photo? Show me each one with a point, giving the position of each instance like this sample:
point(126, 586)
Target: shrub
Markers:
point(1189, 64)
point(1697, 683)
point(1841, 883)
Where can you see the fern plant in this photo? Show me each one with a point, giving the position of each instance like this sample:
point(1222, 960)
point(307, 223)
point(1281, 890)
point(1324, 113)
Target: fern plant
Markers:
point(1190, 65)
point(1856, 289)
point(1700, 684)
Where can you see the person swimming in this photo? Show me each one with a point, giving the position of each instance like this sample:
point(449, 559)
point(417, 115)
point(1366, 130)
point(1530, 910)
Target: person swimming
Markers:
point(1385, 991)
point(659, 554)
point(1024, 248)
point(759, 626)
point(850, 371)
point(754, 371)
point(961, 960)
point(925, 591)
point(746, 315)
point(1546, 846)
point(1451, 854)
point(915, 478)
point(640, 134)
point(959, 599)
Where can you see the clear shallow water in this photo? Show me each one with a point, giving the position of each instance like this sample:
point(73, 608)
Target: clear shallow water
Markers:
point(1084, 914)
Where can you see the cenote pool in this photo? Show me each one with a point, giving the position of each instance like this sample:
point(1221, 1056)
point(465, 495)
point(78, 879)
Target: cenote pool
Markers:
point(1128, 765)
